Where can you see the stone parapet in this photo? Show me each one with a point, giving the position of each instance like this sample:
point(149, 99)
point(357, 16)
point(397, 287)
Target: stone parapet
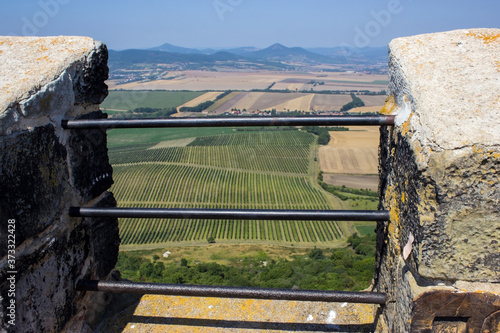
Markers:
point(439, 171)
point(43, 171)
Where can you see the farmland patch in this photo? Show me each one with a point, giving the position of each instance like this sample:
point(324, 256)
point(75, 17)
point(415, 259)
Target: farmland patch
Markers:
point(301, 103)
point(351, 152)
point(208, 96)
point(323, 102)
point(352, 181)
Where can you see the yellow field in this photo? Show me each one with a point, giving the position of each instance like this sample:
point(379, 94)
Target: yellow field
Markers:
point(351, 152)
point(364, 109)
point(302, 103)
point(246, 101)
point(289, 86)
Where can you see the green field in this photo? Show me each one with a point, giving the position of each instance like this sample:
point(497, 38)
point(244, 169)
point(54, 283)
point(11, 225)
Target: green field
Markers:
point(250, 170)
point(151, 136)
point(132, 99)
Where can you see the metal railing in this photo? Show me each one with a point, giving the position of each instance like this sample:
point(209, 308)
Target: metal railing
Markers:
point(381, 120)
point(224, 291)
point(233, 292)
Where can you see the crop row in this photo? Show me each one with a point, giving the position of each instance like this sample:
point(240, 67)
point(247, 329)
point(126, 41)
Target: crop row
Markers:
point(273, 138)
point(288, 159)
point(167, 183)
point(146, 231)
point(178, 186)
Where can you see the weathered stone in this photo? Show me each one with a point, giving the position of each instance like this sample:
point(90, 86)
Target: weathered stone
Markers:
point(105, 239)
point(44, 170)
point(46, 275)
point(33, 179)
point(91, 172)
point(43, 77)
point(89, 86)
point(439, 170)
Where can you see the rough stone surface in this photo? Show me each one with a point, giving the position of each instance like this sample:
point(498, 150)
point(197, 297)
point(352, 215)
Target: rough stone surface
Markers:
point(33, 179)
point(42, 78)
point(439, 169)
point(91, 172)
point(156, 313)
point(44, 170)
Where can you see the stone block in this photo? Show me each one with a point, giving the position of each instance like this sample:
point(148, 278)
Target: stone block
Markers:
point(440, 164)
point(438, 171)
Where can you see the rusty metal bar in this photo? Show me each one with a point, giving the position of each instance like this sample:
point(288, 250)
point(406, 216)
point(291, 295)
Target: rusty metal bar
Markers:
point(369, 120)
point(237, 214)
point(232, 292)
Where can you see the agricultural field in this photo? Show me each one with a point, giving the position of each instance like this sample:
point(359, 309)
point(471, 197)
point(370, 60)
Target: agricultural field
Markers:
point(208, 96)
point(118, 100)
point(250, 170)
point(251, 101)
point(351, 152)
point(352, 181)
point(324, 102)
point(227, 80)
point(280, 101)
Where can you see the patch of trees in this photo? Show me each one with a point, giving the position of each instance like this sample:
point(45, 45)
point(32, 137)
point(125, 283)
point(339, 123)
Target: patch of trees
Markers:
point(315, 83)
point(198, 108)
point(321, 132)
point(270, 86)
point(349, 268)
point(356, 102)
point(146, 113)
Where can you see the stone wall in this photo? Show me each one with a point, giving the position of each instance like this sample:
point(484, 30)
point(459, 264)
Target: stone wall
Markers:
point(439, 255)
point(43, 171)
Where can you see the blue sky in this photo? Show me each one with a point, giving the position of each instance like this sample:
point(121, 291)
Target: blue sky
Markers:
point(230, 23)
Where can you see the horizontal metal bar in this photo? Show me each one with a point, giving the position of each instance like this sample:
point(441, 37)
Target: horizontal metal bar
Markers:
point(238, 214)
point(370, 120)
point(232, 292)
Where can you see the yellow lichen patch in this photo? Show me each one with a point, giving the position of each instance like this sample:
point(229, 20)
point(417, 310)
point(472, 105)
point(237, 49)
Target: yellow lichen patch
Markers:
point(156, 313)
point(389, 106)
point(394, 222)
point(406, 126)
point(487, 38)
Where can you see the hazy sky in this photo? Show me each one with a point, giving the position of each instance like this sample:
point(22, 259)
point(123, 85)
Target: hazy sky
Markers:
point(230, 23)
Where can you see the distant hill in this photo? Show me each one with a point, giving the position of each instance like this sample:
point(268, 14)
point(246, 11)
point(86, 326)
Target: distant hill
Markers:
point(177, 49)
point(162, 57)
point(279, 52)
point(276, 56)
point(132, 58)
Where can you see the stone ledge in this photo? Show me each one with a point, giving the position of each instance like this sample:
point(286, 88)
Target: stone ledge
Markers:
point(451, 84)
point(42, 78)
point(156, 313)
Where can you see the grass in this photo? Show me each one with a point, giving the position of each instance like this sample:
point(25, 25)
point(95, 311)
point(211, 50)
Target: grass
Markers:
point(225, 254)
point(365, 228)
point(132, 99)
